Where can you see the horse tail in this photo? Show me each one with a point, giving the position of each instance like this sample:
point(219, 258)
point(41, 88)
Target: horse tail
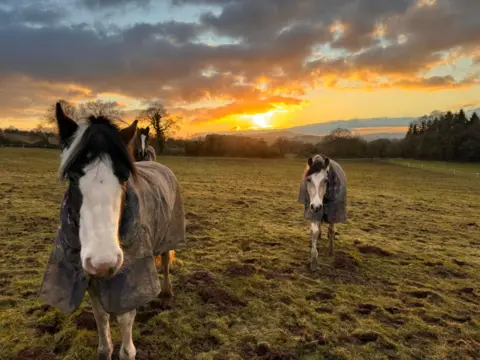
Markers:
point(171, 259)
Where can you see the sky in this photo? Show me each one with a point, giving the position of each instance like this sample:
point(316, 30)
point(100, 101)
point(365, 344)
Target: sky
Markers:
point(225, 65)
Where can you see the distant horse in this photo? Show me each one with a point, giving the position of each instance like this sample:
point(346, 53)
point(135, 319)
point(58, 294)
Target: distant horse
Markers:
point(141, 150)
point(323, 192)
point(118, 221)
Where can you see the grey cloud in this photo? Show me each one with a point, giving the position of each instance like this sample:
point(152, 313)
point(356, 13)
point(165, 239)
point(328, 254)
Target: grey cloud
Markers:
point(35, 14)
point(110, 4)
point(162, 60)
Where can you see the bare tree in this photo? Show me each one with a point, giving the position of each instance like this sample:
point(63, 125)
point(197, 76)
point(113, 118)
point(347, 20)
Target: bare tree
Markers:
point(69, 109)
point(161, 121)
point(106, 108)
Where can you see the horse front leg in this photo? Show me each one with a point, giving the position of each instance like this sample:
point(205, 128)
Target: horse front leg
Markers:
point(316, 234)
point(105, 345)
point(331, 237)
point(166, 282)
point(125, 321)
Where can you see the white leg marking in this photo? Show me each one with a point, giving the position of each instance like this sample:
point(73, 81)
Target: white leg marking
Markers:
point(316, 234)
point(105, 345)
point(127, 350)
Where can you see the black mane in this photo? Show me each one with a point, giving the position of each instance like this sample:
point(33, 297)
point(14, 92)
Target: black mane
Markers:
point(317, 166)
point(101, 138)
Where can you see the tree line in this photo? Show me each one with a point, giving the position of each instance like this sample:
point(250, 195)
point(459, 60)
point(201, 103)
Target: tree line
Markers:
point(449, 136)
point(440, 136)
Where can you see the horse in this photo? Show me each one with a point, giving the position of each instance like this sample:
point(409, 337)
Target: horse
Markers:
point(141, 150)
point(323, 192)
point(119, 221)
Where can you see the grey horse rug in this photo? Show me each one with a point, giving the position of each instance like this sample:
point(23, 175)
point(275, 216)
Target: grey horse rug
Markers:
point(152, 222)
point(335, 200)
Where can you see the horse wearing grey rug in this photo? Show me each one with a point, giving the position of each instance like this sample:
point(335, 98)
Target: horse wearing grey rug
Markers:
point(119, 220)
point(142, 151)
point(323, 192)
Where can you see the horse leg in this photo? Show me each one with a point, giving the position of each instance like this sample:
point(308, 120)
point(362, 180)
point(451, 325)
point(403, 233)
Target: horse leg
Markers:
point(331, 237)
point(105, 345)
point(166, 283)
point(316, 234)
point(127, 350)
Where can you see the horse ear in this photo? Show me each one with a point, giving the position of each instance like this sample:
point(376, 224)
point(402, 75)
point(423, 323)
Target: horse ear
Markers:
point(310, 161)
point(129, 132)
point(66, 126)
point(147, 129)
point(327, 163)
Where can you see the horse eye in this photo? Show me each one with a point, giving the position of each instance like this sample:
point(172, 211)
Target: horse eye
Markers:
point(309, 180)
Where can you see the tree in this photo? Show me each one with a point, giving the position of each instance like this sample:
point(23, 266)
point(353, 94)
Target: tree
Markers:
point(106, 108)
point(161, 121)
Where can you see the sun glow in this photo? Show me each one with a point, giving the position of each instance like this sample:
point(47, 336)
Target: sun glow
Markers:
point(261, 121)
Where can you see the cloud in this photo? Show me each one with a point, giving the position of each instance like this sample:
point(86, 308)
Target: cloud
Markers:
point(277, 49)
point(112, 4)
point(31, 14)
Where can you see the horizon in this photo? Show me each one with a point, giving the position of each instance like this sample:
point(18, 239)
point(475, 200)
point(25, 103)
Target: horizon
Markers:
point(244, 65)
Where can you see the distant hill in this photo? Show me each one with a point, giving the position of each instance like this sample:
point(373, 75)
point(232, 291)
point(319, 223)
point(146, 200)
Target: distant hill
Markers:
point(353, 124)
point(313, 133)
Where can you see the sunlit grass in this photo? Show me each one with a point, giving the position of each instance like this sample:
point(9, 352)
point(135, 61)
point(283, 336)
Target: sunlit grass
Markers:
point(403, 285)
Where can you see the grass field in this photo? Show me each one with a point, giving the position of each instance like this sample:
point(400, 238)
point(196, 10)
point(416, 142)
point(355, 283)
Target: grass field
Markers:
point(461, 169)
point(404, 283)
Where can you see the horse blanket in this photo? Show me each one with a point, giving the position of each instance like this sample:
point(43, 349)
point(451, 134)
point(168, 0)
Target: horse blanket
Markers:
point(335, 200)
point(152, 222)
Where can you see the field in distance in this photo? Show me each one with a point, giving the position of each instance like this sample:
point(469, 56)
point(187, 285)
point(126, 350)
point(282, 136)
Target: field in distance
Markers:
point(404, 282)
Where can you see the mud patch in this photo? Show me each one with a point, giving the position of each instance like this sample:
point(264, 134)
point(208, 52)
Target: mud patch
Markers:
point(369, 249)
point(420, 337)
point(85, 320)
point(287, 300)
point(457, 318)
point(344, 261)
point(444, 272)
point(204, 343)
point(153, 308)
point(392, 310)
point(241, 270)
point(324, 310)
point(35, 353)
point(425, 294)
point(42, 310)
point(48, 328)
point(264, 351)
point(194, 280)
point(466, 290)
point(322, 295)
point(430, 319)
point(460, 262)
point(220, 298)
point(365, 309)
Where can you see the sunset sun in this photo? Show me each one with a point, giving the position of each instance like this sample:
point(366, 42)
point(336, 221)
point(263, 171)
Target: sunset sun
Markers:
point(261, 121)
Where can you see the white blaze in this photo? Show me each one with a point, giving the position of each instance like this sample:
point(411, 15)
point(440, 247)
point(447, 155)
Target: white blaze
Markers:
point(143, 137)
point(315, 192)
point(100, 215)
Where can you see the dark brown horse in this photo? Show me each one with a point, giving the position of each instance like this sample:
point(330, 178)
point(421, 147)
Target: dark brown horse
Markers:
point(141, 150)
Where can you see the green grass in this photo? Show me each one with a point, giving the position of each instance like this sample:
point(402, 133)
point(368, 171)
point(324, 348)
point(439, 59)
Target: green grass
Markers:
point(404, 283)
point(461, 169)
